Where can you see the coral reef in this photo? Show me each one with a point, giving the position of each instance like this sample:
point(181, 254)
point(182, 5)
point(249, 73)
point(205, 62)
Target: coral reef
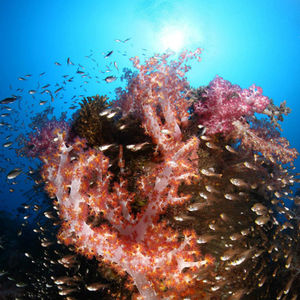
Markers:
point(172, 193)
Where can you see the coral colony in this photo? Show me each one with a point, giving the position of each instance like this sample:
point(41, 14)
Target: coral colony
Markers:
point(177, 189)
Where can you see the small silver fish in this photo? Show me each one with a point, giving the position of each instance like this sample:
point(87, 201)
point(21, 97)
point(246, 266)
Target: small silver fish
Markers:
point(21, 284)
point(122, 127)
point(69, 61)
point(249, 165)
point(203, 239)
point(259, 209)
point(109, 54)
point(8, 144)
point(111, 115)
point(224, 217)
point(105, 112)
point(109, 79)
point(231, 197)
point(8, 100)
point(262, 220)
point(196, 206)
point(49, 215)
point(230, 149)
point(92, 287)
point(211, 145)
point(106, 147)
point(136, 147)
point(235, 236)
point(205, 138)
point(202, 130)
point(238, 261)
point(46, 244)
point(59, 89)
point(3, 273)
point(245, 231)
point(211, 189)
point(120, 41)
point(182, 218)
point(238, 182)
point(14, 173)
point(210, 172)
point(116, 66)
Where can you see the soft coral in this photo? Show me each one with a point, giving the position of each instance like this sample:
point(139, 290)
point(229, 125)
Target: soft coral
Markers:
point(223, 103)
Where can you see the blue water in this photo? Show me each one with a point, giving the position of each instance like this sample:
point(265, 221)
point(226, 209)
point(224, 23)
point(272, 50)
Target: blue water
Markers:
point(245, 42)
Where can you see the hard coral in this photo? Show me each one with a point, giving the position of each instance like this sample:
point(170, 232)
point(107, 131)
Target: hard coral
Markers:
point(89, 124)
point(104, 127)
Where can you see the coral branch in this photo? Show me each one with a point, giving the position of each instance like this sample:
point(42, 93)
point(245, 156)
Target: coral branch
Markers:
point(157, 96)
point(274, 147)
point(134, 244)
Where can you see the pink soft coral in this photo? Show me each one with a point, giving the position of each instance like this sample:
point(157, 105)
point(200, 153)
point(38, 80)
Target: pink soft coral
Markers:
point(224, 103)
point(43, 141)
